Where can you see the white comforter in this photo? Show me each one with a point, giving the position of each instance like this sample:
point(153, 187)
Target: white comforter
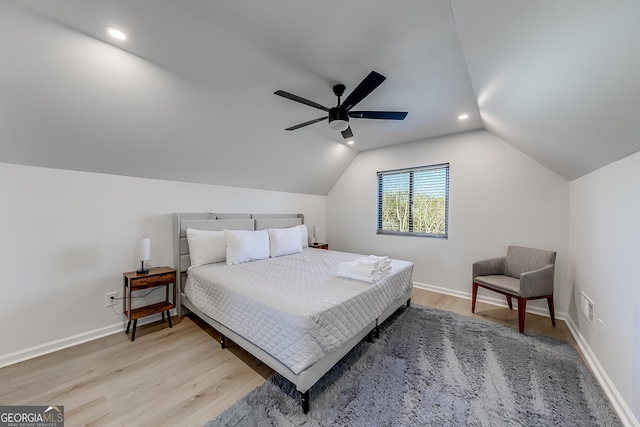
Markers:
point(294, 307)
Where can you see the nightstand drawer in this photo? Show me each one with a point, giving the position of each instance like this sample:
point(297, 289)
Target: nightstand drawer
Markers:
point(151, 281)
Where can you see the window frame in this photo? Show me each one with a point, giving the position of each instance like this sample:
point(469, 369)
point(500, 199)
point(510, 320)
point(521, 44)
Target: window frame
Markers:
point(411, 171)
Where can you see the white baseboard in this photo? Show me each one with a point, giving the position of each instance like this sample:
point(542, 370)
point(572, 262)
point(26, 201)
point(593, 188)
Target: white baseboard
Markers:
point(500, 302)
point(53, 346)
point(621, 408)
point(50, 347)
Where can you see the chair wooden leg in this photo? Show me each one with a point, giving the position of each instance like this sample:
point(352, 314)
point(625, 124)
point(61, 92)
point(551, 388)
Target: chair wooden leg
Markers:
point(552, 310)
point(474, 294)
point(509, 302)
point(522, 310)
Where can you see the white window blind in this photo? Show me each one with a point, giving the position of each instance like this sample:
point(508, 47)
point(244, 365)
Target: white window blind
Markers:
point(414, 201)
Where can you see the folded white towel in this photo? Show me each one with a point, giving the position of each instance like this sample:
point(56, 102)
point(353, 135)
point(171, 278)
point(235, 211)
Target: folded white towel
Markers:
point(355, 268)
point(368, 264)
point(383, 260)
point(373, 261)
point(368, 279)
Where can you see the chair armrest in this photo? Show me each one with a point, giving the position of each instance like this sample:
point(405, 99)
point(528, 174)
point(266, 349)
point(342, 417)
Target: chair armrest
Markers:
point(488, 267)
point(537, 283)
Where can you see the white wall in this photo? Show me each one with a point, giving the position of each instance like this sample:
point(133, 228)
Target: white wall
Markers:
point(67, 237)
point(499, 197)
point(604, 255)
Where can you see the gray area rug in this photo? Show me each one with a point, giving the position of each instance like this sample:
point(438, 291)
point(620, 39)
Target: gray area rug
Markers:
point(435, 368)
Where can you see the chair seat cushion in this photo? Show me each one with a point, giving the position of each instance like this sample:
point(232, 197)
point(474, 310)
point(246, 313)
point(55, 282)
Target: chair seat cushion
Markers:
point(501, 283)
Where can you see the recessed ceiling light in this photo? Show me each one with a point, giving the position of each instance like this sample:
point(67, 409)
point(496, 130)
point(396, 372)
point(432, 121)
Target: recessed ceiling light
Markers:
point(116, 34)
point(463, 117)
point(350, 142)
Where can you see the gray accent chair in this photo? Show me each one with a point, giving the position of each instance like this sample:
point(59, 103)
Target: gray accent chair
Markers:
point(523, 274)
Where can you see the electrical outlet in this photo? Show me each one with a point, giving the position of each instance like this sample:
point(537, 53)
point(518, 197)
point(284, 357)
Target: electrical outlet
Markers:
point(110, 298)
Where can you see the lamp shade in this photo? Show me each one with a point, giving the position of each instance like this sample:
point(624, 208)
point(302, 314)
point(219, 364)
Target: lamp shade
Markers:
point(143, 248)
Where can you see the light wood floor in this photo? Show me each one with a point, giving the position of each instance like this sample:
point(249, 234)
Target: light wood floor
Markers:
point(178, 376)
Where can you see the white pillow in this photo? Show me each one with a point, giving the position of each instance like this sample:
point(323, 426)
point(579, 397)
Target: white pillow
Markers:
point(284, 241)
point(304, 235)
point(244, 245)
point(206, 247)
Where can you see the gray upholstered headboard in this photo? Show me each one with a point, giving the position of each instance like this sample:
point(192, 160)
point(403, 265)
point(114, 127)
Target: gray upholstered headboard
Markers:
point(264, 221)
point(216, 222)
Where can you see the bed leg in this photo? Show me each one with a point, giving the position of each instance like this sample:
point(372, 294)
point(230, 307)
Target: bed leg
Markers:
point(371, 336)
point(376, 332)
point(409, 303)
point(305, 402)
point(223, 342)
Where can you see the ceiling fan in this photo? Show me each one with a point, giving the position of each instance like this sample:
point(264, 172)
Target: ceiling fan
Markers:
point(340, 114)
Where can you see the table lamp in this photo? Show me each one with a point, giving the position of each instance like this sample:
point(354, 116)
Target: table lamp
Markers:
point(143, 253)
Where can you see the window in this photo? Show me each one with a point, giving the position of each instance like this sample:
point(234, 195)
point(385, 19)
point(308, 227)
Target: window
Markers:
point(414, 201)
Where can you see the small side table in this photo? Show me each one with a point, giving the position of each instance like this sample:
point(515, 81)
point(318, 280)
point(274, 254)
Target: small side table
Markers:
point(319, 246)
point(132, 281)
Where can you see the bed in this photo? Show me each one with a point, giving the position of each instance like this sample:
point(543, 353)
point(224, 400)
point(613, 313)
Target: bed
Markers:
point(292, 312)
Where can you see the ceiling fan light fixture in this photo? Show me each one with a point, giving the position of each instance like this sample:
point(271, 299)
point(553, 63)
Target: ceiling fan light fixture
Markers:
point(338, 119)
point(338, 125)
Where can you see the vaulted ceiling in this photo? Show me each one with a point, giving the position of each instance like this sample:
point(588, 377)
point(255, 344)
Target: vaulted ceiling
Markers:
point(189, 95)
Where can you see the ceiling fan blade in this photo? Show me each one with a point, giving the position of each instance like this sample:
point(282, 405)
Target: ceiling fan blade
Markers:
point(381, 115)
point(366, 86)
point(300, 100)
point(346, 134)
point(310, 122)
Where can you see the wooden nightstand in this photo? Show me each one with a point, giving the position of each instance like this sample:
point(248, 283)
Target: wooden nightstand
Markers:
point(132, 281)
point(319, 246)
